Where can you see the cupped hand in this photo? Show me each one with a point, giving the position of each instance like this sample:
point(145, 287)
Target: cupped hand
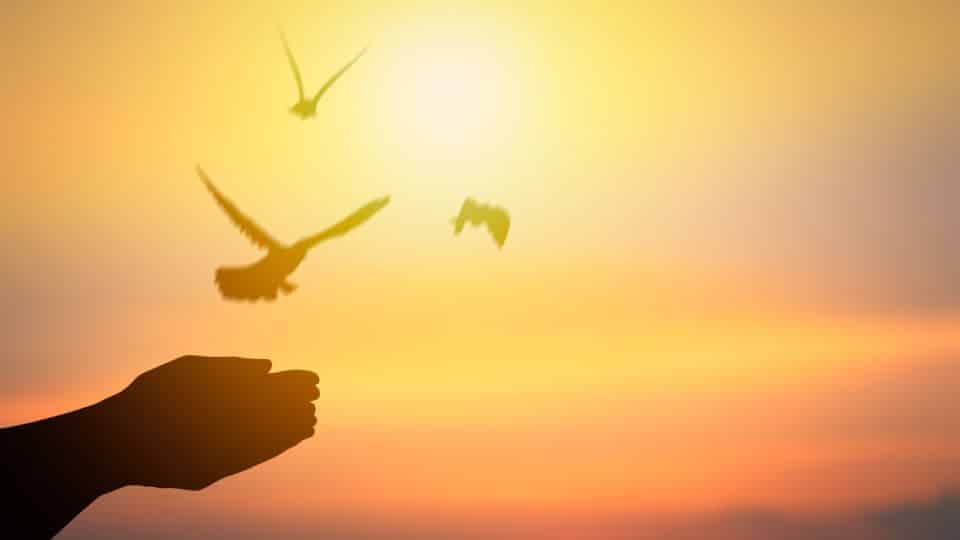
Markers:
point(195, 420)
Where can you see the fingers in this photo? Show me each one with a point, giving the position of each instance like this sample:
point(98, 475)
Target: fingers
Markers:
point(294, 385)
point(290, 424)
point(296, 376)
point(286, 406)
point(309, 416)
point(290, 394)
point(239, 366)
point(265, 437)
point(211, 366)
point(271, 444)
point(276, 427)
point(268, 417)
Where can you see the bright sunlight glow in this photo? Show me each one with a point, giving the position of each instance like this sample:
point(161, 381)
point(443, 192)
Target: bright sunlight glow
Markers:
point(451, 98)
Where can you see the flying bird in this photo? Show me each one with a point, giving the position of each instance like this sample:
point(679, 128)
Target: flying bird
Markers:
point(264, 278)
point(307, 107)
point(496, 219)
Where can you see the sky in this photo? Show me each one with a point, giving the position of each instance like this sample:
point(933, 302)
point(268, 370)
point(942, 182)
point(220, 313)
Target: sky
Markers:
point(727, 305)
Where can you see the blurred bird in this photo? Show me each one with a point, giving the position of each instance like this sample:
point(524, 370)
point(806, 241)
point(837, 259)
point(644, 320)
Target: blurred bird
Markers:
point(262, 279)
point(307, 108)
point(496, 218)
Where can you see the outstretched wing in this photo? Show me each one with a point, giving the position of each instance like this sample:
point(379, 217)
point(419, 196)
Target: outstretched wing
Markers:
point(468, 211)
point(293, 65)
point(338, 74)
point(253, 231)
point(347, 224)
point(498, 223)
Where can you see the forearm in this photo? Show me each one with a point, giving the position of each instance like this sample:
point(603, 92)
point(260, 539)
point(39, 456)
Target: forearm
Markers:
point(55, 468)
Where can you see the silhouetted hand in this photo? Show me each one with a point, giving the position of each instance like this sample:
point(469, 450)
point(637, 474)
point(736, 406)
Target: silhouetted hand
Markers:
point(195, 420)
point(185, 424)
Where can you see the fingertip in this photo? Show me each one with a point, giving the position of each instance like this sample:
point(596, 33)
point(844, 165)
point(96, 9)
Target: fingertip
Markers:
point(266, 365)
point(301, 435)
point(260, 366)
point(297, 376)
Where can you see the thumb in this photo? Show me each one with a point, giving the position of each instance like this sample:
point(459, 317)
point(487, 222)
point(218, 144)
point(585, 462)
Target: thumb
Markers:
point(224, 365)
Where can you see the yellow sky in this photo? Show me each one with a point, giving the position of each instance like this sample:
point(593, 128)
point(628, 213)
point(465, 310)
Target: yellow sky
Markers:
point(656, 297)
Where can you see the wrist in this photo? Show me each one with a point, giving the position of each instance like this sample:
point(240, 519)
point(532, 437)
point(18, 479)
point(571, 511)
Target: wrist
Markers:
point(99, 439)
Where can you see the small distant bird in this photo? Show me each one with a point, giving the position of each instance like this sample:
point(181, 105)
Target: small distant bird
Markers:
point(262, 279)
point(496, 218)
point(307, 108)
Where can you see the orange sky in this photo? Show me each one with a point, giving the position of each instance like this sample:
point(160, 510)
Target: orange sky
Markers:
point(729, 280)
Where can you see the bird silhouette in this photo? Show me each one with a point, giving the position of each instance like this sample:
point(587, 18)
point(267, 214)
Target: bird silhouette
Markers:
point(496, 219)
point(264, 278)
point(304, 107)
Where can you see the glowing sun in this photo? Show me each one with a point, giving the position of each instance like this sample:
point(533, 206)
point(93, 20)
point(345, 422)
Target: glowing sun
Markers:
point(450, 98)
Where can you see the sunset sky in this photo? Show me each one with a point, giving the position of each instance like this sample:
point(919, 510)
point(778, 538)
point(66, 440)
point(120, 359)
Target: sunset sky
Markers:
point(729, 294)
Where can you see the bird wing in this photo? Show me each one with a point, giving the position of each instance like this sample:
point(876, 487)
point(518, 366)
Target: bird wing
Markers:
point(498, 223)
point(347, 224)
point(293, 65)
point(467, 210)
point(249, 228)
point(338, 74)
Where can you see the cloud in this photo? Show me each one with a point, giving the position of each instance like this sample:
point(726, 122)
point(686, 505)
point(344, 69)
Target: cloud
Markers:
point(877, 218)
point(937, 518)
point(865, 206)
point(934, 519)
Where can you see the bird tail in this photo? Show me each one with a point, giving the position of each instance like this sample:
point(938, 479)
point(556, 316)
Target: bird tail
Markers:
point(240, 283)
